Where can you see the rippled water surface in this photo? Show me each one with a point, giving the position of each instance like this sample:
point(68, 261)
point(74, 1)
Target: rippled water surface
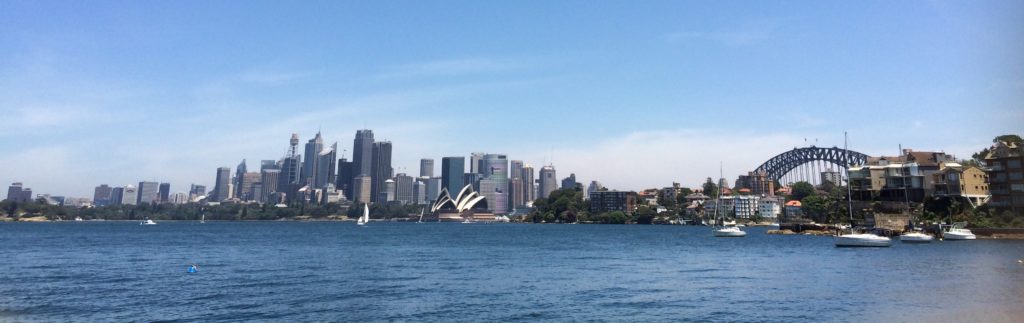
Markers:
point(120, 271)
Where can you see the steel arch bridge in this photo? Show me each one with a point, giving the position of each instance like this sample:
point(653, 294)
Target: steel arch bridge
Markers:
point(780, 165)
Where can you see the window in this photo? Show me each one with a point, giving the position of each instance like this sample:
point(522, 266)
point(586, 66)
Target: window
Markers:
point(1016, 176)
point(1017, 187)
point(1013, 163)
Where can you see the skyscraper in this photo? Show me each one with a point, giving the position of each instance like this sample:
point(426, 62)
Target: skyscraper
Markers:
point(116, 196)
point(290, 167)
point(529, 184)
point(426, 167)
point(474, 163)
point(404, 185)
point(268, 178)
point(548, 181)
point(101, 195)
point(310, 165)
point(197, 190)
point(362, 153)
point(148, 192)
point(382, 170)
point(419, 191)
point(361, 185)
point(245, 188)
point(130, 195)
point(17, 193)
point(165, 192)
point(237, 180)
point(433, 189)
point(345, 176)
point(452, 171)
point(569, 182)
point(221, 190)
point(515, 184)
point(494, 183)
point(326, 166)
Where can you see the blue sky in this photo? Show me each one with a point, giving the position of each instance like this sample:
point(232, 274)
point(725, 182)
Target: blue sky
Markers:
point(634, 94)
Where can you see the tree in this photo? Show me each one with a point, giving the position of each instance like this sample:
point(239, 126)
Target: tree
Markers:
point(710, 189)
point(980, 156)
point(800, 190)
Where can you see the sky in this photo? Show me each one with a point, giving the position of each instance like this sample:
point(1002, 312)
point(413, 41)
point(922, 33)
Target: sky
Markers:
point(633, 94)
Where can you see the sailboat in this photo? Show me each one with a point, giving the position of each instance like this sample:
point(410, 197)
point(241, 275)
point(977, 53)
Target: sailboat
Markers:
point(366, 216)
point(856, 239)
point(913, 236)
point(725, 231)
point(421, 215)
point(203, 219)
point(147, 222)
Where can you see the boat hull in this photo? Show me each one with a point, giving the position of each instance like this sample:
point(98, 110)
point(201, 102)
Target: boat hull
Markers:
point(959, 235)
point(862, 240)
point(730, 233)
point(916, 238)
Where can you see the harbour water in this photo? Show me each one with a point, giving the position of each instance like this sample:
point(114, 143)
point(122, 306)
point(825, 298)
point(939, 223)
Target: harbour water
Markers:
point(337, 271)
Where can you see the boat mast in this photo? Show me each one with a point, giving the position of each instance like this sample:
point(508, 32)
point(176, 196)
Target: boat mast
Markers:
point(849, 190)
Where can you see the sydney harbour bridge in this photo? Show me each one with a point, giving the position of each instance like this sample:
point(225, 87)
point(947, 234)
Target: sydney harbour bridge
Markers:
point(807, 164)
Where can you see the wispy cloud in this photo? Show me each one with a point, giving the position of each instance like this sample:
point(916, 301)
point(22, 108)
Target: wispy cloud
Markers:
point(467, 66)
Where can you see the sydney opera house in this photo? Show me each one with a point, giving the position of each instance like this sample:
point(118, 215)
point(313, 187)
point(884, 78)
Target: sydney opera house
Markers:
point(468, 205)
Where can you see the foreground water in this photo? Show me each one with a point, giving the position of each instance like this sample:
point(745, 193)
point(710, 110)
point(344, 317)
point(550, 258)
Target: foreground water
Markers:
point(120, 271)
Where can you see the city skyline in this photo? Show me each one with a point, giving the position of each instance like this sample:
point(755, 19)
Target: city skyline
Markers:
point(659, 92)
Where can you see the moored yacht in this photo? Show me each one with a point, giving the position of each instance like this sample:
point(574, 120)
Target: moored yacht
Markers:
point(916, 237)
point(958, 232)
point(147, 222)
point(730, 232)
point(856, 239)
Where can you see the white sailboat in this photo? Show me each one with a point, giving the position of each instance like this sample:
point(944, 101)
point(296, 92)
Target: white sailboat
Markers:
point(856, 239)
point(147, 222)
point(958, 232)
point(725, 231)
point(203, 219)
point(366, 216)
point(421, 215)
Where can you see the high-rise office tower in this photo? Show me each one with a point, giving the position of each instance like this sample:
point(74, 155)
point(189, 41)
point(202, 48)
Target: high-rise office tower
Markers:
point(362, 153)
point(197, 190)
point(569, 182)
point(494, 182)
point(221, 190)
point(17, 193)
point(149, 192)
point(404, 185)
point(290, 167)
point(116, 196)
point(594, 187)
point(240, 170)
point(382, 170)
point(345, 176)
point(326, 166)
point(433, 189)
point(101, 195)
point(130, 195)
point(361, 185)
point(310, 165)
point(268, 164)
point(245, 188)
point(426, 167)
point(419, 191)
point(548, 181)
point(452, 171)
point(529, 184)
point(515, 184)
point(474, 163)
point(268, 178)
point(165, 192)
